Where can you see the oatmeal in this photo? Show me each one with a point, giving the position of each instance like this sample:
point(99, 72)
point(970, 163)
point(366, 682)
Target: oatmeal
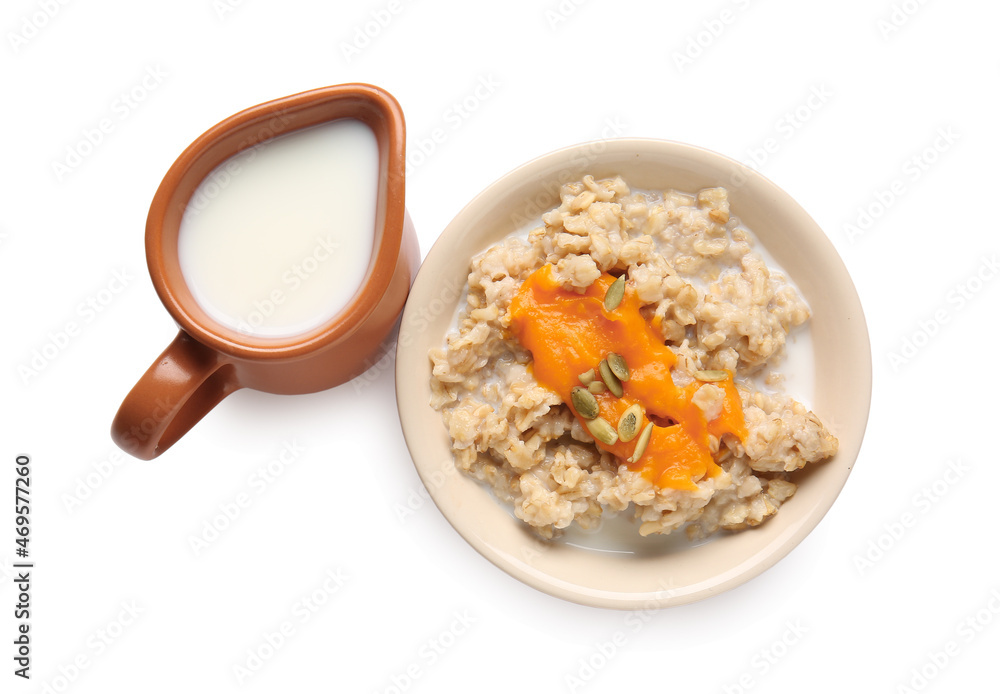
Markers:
point(605, 364)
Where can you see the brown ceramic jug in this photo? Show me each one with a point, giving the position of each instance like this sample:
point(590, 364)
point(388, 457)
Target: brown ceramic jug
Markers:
point(208, 360)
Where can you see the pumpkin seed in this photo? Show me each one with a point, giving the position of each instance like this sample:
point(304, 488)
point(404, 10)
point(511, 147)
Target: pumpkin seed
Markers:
point(640, 445)
point(609, 378)
point(628, 424)
point(616, 292)
point(618, 366)
point(597, 386)
point(584, 403)
point(711, 376)
point(587, 377)
point(602, 430)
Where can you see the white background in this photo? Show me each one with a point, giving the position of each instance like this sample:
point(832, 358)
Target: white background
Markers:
point(853, 99)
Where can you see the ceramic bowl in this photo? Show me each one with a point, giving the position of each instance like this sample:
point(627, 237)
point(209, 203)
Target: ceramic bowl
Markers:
point(655, 571)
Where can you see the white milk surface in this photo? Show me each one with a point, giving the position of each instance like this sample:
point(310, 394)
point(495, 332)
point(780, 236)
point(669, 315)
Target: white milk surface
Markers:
point(277, 239)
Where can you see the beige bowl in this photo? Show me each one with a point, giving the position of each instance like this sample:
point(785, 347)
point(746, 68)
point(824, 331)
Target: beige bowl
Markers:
point(656, 571)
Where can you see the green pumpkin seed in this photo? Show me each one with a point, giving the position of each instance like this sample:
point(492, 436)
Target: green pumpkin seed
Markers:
point(584, 403)
point(711, 376)
point(616, 292)
point(597, 386)
point(628, 424)
point(587, 377)
point(640, 445)
point(618, 366)
point(609, 378)
point(602, 430)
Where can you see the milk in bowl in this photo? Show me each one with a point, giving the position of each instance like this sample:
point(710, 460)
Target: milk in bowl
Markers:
point(278, 238)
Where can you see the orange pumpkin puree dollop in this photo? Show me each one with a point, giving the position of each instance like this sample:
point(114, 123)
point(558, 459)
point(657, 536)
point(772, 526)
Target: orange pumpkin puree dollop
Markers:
point(569, 333)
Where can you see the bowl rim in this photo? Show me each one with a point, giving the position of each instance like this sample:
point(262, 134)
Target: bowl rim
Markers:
point(786, 535)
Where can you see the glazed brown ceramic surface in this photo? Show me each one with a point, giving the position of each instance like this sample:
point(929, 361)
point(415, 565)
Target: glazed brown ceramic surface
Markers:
point(208, 361)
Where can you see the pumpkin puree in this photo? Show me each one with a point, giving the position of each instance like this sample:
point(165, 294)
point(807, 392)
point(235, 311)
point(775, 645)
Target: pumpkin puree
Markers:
point(569, 333)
